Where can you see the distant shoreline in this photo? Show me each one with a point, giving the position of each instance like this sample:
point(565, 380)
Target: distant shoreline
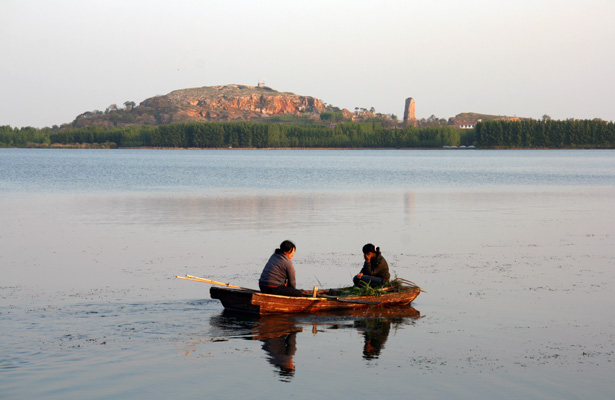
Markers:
point(79, 146)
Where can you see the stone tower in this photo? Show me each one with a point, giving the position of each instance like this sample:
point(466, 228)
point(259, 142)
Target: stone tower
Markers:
point(410, 112)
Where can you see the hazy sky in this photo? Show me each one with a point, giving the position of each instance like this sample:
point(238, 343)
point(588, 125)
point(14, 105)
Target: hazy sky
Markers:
point(526, 58)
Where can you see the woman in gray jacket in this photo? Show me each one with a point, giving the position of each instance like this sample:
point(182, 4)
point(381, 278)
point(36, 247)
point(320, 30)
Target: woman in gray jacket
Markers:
point(278, 276)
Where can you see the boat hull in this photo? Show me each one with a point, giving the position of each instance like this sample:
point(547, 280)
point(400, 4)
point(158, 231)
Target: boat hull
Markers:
point(255, 302)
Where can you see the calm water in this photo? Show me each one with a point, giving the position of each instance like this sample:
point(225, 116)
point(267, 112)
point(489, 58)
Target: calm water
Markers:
point(514, 249)
point(214, 171)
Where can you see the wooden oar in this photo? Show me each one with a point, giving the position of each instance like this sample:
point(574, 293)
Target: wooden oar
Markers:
point(197, 279)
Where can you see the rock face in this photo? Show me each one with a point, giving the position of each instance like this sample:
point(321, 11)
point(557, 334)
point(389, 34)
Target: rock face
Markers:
point(239, 102)
point(215, 103)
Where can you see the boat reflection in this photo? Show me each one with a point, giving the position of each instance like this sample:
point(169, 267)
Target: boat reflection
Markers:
point(278, 333)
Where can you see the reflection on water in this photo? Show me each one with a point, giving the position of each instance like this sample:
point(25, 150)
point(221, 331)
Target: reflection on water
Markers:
point(279, 332)
point(280, 352)
point(232, 212)
point(375, 332)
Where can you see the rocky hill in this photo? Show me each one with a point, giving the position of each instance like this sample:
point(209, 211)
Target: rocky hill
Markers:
point(215, 103)
point(237, 103)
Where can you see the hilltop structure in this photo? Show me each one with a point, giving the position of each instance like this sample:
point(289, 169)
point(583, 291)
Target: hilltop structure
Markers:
point(410, 112)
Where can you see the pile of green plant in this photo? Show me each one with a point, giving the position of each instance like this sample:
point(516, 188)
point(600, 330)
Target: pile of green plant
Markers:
point(365, 289)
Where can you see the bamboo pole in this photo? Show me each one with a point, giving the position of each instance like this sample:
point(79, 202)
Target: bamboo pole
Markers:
point(198, 279)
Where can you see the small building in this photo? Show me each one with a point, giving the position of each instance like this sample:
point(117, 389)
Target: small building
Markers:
point(466, 124)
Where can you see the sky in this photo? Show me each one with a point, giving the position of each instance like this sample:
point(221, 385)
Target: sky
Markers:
point(525, 58)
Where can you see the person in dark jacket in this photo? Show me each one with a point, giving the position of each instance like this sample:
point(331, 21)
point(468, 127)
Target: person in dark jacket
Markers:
point(375, 271)
point(278, 276)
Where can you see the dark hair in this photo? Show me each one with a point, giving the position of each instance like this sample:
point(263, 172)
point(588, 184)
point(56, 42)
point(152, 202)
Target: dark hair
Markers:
point(285, 247)
point(370, 248)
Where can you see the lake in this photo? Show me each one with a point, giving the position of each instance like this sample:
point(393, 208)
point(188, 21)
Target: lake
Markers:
point(513, 248)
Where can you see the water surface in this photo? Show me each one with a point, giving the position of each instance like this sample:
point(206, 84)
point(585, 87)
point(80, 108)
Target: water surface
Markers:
point(513, 248)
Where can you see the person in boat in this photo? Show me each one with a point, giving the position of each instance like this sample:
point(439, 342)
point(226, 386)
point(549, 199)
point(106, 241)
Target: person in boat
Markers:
point(278, 276)
point(375, 271)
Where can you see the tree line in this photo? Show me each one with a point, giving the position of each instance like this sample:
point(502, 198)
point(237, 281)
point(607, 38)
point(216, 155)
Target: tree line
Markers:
point(546, 134)
point(238, 135)
point(488, 134)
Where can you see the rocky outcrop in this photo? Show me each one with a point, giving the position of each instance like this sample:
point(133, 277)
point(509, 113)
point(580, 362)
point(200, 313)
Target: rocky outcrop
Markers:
point(239, 102)
point(215, 103)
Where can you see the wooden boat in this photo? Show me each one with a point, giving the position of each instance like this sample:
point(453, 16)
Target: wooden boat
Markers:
point(255, 302)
